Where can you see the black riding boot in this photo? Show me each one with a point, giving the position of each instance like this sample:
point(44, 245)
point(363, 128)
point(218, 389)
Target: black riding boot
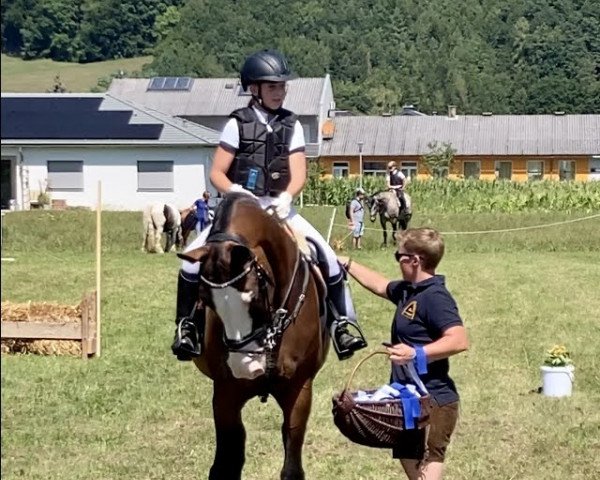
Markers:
point(190, 320)
point(338, 320)
point(402, 201)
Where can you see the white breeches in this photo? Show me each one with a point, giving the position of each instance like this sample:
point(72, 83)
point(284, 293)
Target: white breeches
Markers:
point(296, 222)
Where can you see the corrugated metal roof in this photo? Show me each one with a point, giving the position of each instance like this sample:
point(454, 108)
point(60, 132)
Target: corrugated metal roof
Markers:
point(468, 134)
point(214, 96)
point(175, 131)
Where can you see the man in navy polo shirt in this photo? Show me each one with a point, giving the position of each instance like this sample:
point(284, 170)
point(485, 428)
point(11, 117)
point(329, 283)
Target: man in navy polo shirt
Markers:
point(427, 330)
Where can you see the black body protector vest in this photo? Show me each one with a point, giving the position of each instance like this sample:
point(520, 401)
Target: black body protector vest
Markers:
point(261, 162)
point(395, 178)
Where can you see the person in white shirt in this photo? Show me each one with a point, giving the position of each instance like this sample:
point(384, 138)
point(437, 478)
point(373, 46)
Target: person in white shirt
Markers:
point(261, 153)
point(357, 217)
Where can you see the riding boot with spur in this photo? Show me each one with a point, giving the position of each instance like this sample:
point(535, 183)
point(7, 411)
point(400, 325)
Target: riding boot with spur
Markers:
point(340, 316)
point(190, 320)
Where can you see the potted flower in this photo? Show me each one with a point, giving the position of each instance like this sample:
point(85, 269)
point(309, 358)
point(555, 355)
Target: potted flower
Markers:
point(44, 200)
point(557, 372)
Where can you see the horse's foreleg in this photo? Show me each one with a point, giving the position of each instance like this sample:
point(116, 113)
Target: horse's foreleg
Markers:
point(158, 241)
point(384, 228)
point(295, 404)
point(170, 242)
point(145, 241)
point(230, 434)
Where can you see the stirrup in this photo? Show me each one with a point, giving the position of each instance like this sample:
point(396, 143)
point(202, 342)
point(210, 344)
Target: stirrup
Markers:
point(345, 353)
point(184, 347)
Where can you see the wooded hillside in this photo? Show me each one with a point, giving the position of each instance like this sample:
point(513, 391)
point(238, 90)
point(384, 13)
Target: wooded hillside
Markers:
point(504, 56)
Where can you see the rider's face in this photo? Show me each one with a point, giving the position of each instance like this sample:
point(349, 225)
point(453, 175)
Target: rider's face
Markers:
point(272, 93)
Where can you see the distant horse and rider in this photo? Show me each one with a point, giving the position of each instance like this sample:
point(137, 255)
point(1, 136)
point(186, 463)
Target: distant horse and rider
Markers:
point(265, 331)
point(386, 205)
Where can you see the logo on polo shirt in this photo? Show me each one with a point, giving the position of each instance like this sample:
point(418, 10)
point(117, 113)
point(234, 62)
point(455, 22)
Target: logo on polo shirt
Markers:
point(410, 310)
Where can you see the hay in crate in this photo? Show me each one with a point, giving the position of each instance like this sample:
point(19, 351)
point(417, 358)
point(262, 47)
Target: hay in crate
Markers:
point(41, 312)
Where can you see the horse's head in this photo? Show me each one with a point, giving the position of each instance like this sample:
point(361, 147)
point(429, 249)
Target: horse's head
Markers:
point(376, 205)
point(241, 266)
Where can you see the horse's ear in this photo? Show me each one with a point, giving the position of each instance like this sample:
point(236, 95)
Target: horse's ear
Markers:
point(194, 256)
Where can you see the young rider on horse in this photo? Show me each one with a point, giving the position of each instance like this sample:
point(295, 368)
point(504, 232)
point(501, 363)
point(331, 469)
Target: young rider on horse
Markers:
point(261, 153)
point(396, 181)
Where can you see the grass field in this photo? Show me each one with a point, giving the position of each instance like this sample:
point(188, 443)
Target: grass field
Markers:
point(38, 75)
point(137, 413)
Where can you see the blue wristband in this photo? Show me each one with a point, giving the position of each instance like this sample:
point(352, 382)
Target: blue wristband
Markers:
point(420, 360)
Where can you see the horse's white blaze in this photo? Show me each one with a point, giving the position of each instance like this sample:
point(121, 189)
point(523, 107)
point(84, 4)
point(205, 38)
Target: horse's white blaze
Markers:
point(233, 308)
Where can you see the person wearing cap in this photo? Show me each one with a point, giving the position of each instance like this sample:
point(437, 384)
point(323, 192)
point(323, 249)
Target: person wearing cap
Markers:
point(261, 153)
point(396, 181)
point(357, 215)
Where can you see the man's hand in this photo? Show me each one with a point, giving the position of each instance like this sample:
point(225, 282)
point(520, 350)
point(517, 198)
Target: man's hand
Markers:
point(401, 353)
point(235, 188)
point(283, 205)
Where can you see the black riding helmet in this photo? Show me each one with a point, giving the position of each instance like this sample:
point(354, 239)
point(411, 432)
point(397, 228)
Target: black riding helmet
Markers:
point(265, 66)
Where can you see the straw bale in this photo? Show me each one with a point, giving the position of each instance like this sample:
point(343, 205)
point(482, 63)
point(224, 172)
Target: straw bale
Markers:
point(41, 347)
point(40, 312)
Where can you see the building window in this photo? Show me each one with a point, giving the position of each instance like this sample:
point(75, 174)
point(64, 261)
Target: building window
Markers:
point(566, 170)
point(535, 169)
point(65, 175)
point(503, 170)
point(472, 169)
point(595, 165)
point(340, 169)
point(155, 176)
point(409, 169)
point(374, 169)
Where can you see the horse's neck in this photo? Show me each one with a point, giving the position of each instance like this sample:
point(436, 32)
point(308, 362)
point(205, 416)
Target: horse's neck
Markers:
point(281, 252)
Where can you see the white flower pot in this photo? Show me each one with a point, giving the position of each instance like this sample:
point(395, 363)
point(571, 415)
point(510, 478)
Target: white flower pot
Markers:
point(557, 381)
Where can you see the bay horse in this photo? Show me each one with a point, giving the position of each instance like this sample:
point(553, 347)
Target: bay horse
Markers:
point(264, 333)
point(159, 218)
point(188, 224)
point(387, 206)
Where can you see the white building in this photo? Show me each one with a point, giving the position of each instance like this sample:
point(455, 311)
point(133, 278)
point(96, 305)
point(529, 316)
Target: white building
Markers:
point(66, 144)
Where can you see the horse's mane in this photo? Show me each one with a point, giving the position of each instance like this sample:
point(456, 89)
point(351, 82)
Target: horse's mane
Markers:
point(223, 212)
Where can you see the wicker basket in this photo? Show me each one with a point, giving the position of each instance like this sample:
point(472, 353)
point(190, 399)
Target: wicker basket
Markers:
point(376, 424)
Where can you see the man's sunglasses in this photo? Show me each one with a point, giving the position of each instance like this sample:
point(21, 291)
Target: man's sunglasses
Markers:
point(398, 255)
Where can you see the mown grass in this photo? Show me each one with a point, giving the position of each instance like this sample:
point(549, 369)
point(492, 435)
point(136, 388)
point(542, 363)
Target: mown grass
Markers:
point(20, 75)
point(137, 413)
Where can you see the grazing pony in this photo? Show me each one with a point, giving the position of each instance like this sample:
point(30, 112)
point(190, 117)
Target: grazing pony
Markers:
point(161, 218)
point(264, 330)
point(387, 205)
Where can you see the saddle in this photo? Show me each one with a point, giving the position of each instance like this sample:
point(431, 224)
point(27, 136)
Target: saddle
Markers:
point(316, 259)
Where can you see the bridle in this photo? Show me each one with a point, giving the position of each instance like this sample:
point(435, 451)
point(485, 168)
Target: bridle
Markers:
point(267, 336)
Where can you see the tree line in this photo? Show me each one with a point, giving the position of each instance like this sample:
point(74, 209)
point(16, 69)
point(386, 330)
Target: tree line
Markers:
point(503, 56)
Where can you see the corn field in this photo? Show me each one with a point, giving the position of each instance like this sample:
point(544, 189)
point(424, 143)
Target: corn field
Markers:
point(460, 196)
